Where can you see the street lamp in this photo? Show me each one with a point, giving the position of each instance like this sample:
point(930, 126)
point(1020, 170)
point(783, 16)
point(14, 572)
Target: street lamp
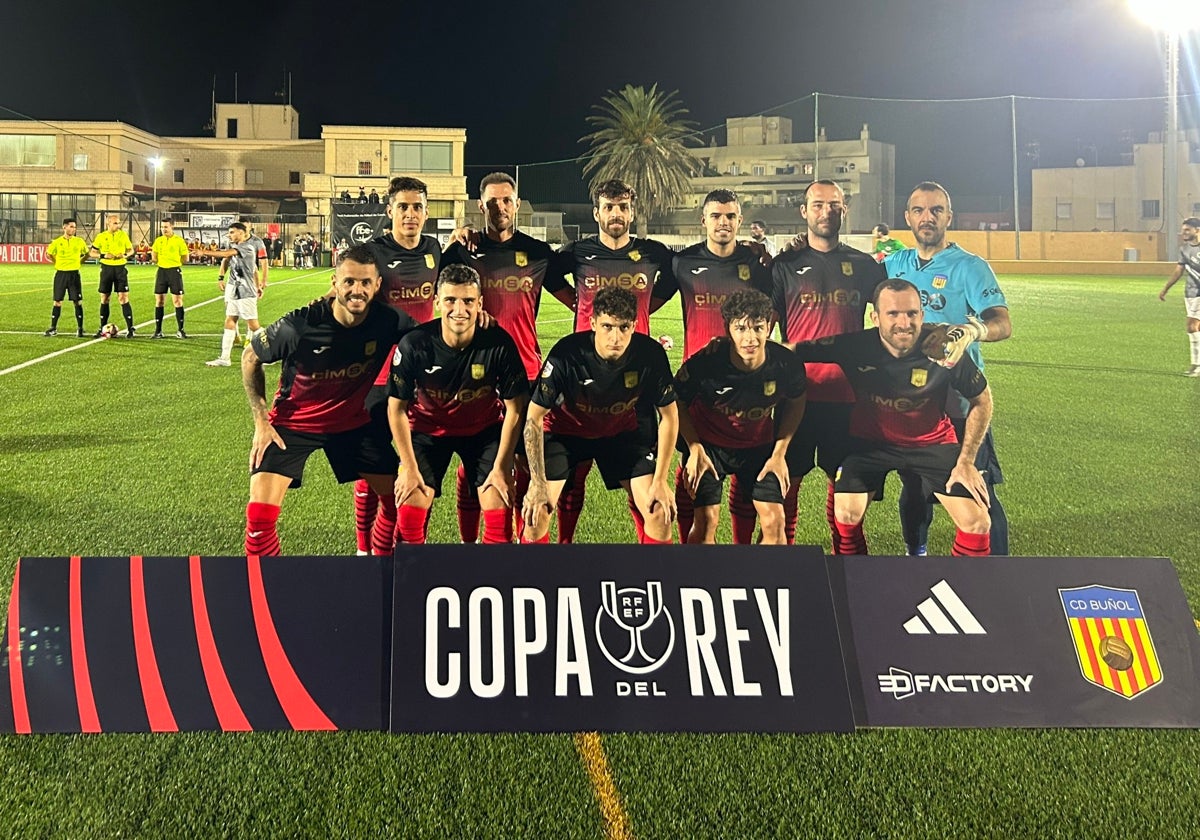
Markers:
point(1172, 18)
point(155, 162)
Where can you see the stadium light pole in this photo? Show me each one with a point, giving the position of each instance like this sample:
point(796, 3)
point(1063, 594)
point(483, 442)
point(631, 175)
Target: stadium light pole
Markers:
point(1172, 18)
point(155, 162)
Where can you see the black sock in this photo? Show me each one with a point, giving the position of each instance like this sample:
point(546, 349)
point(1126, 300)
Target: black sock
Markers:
point(55, 311)
point(79, 315)
point(104, 309)
point(127, 311)
point(158, 316)
point(179, 317)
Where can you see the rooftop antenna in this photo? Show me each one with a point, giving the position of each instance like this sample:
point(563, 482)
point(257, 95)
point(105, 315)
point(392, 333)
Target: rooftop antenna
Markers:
point(211, 125)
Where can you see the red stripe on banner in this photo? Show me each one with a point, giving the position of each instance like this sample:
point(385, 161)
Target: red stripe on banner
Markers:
point(229, 711)
point(158, 710)
point(16, 677)
point(89, 721)
point(301, 710)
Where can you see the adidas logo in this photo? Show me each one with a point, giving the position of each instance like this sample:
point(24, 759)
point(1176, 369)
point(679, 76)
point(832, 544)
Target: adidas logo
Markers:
point(944, 614)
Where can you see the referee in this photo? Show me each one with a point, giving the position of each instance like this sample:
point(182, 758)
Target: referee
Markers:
point(113, 248)
point(170, 252)
point(68, 252)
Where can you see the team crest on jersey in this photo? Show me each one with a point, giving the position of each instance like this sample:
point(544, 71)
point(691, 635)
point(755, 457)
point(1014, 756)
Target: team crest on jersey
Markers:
point(369, 348)
point(396, 356)
point(743, 272)
point(919, 377)
point(522, 259)
point(848, 268)
point(429, 261)
point(939, 281)
point(547, 369)
point(477, 371)
point(631, 379)
point(635, 255)
point(769, 388)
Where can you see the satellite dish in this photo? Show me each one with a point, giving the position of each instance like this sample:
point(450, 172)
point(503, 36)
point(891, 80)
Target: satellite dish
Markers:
point(1080, 162)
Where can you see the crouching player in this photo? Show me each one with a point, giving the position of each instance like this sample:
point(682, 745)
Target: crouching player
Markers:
point(595, 400)
point(899, 420)
point(456, 389)
point(741, 404)
point(331, 351)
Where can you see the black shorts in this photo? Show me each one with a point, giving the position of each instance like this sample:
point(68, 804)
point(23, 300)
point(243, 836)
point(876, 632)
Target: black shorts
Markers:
point(113, 278)
point(864, 470)
point(477, 452)
point(361, 451)
point(746, 464)
point(68, 286)
point(623, 457)
point(168, 280)
point(985, 459)
point(823, 439)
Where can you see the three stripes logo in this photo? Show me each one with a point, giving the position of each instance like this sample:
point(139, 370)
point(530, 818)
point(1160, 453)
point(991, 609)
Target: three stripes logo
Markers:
point(943, 614)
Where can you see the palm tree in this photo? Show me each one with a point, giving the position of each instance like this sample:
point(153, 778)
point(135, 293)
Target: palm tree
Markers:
point(640, 138)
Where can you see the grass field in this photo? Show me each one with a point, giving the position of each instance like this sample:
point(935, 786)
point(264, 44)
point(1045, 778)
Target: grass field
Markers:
point(116, 447)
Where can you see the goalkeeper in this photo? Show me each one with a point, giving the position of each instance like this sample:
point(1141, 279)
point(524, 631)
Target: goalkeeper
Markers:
point(960, 289)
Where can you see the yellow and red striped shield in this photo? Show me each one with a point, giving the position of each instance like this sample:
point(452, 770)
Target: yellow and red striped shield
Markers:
point(1112, 641)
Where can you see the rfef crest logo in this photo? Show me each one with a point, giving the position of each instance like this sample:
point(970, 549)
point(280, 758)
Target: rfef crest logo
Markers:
point(1112, 641)
point(634, 629)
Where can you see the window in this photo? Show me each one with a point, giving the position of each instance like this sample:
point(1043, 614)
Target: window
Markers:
point(129, 166)
point(64, 205)
point(224, 178)
point(146, 172)
point(79, 163)
point(414, 156)
point(231, 128)
point(808, 169)
point(1150, 209)
point(733, 169)
point(1105, 210)
point(177, 176)
point(441, 209)
point(293, 177)
point(18, 214)
point(27, 150)
point(364, 167)
point(254, 176)
point(1062, 210)
point(758, 169)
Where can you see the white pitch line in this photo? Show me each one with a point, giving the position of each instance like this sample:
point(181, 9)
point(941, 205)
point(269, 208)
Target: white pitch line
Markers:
point(75, 347)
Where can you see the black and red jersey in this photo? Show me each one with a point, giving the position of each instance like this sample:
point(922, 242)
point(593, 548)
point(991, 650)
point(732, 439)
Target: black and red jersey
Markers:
point(328, 369)
point(456, 392)
point(733, 408)
point(591, 266)
point(898, 401)
point(409, 274)
point(817, 294)
point(590, 397)
point(511, 274)
point(704, 281)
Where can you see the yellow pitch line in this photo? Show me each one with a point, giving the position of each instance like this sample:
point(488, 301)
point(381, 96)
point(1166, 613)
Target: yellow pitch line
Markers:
point(616, 820)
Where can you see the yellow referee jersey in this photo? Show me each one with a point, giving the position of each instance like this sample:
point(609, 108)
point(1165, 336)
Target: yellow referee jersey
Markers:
point(112, 242)
point(169, 251)
point(68, 252)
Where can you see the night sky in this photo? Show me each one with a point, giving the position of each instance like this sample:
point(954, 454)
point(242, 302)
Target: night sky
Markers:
point(522, 77)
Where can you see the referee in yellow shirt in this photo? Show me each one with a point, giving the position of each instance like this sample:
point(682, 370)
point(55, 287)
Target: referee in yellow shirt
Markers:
point(68, 252)
point(170, 252)
point(113, 248)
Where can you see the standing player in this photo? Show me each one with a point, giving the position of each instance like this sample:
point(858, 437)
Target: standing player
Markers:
point(758, 235)
point(1189, 263)
point(899, 421)
point(242, 290)
point(331, 351)
point(956, 287)
point(883, 244)
point(612, 258)
point(512, 267)
point(68, 252)
point(589, 403)
point(456, 389)
point(705, 275)
point(170, 252)
point(113, 247)
point(408, 263)
point(820, 291)
point(742, 403)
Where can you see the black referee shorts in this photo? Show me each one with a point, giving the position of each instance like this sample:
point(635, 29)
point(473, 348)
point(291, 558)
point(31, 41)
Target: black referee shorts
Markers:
point(113, 278)
point(67, 286)
point(168, 280)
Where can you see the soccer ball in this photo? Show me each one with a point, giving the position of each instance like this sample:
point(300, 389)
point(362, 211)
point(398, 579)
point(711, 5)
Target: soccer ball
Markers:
point(1116, 653)
point(108, 330)
point(667, 342)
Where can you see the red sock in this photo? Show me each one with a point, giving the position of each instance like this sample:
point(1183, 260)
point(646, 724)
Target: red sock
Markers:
point(639, 521)
point(545, 540)
point(383, 534)
point(468, 507)
point(971, 545)
point(683, 504)
point(365, 504)
point(412, 524)
point(742, 513)
point(791, 511)
point(261, 537)
point(850, 539)
point(829, 517)
point(645, 540)
point(570, 503)
point(497, 526)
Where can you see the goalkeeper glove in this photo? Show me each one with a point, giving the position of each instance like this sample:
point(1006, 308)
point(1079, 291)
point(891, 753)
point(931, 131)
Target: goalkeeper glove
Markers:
point(962, 336)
